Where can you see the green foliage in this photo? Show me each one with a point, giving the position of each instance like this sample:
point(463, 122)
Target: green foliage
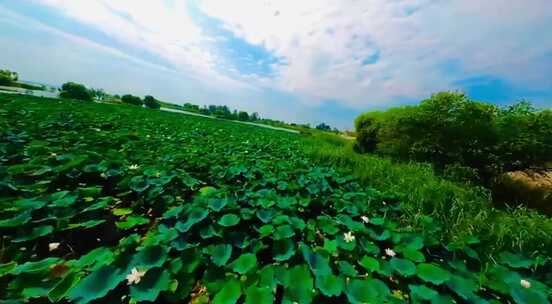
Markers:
point(137, 216)
point(74, 90)
point(132, 100)
point(451, 129)
point(7, 77)
point(151, 102)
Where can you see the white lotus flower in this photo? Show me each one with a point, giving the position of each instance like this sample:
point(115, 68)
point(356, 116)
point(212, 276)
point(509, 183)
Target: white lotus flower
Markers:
point(525, 283)
point(390, 252)
point(349, 237)
point(135, 276)
point(365, 219)
point(134, 167)
point(53, 246)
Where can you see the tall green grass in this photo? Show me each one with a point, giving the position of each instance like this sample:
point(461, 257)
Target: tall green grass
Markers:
point(465, 211)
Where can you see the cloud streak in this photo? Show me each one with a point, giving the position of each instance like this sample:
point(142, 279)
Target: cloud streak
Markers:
point(290, 58)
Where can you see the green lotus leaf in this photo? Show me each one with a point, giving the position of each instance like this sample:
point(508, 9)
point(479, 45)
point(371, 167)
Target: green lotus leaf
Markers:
point(220, 254)
point(16, 221)
point(258, 295)
point(297, 223)
point(369, 247)
point(34, 267)
point(65, 201)
point(280, 219)
point(282, 250)
point(514, 260)
point(162, 235)
point(210, 231)
point(347, 269)
point(87, 225)
point(330, 246)
point(96, 285)
point(152, 283)
point(138, 184)
point(422, 292)
point(317, 263)
point(101, 203)
point(404, 267)
point(207, 191)
point(327, 225)
point(283, 232)
point(60, 290)
point(463, 287)
point(7, 268)
point(300, 285)
point(348, 246)
point(413, 255)
point(367, 291)
point(131, 222)
point(229, 220)
point(195, 216)
point(330, 285)
point(369, 263)
point(528, 295)
point(173, 212)
point(29, 204)
point(149, 257)
point(378, 221)
point(90, 191)
point(266, 230)
point(229, 294)
point(98, 257)
point(37, 232)
point(121, 211)
point(244, 263)
point(432, 273)
point(217, 204)
point(266, 215)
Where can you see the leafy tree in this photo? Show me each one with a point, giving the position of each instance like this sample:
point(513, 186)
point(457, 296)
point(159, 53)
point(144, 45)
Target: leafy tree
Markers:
point(243, 116)
point(452, 131)
point(151, 102)
point(74, 90)
point(8, 77)
point(323, 127)
point(133, 100)
point(98, 94)
point(255, 116)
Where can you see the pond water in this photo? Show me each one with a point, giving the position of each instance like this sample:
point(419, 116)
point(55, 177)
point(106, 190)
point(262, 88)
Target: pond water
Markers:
point(236, 121)
point(51, 92)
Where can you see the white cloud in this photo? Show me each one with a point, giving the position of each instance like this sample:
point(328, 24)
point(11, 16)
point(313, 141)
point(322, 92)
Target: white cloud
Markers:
point(325, 41)
point(322, 43)
point(164, 29)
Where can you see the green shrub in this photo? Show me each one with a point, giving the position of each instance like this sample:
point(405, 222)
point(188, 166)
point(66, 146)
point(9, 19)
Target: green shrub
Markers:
point(8, 77)
point(133, 100)
point(151, 102)
point(72, 90)
point(449, 128)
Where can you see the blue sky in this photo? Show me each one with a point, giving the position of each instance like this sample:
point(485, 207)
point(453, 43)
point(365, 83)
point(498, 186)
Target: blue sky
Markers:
point(302, 61)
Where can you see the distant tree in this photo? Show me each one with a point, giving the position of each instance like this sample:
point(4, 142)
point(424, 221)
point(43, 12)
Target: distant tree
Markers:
point(74, 90)
point(323, 127)
point(151, 102)
point(133, 100)
point(243, 116)
point(254, 116)
point(98, 94)
point(8, 77)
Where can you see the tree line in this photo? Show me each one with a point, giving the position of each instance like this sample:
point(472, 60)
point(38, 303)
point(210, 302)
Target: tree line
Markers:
point(461, 137)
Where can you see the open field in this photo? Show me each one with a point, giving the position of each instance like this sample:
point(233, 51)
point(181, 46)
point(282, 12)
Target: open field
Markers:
point(116, 203)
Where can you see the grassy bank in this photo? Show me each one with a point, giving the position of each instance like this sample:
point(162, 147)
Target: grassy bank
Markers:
point(465, 211)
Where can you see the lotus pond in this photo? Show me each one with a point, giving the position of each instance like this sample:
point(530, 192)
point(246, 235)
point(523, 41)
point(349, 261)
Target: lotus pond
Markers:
point(116, 204)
